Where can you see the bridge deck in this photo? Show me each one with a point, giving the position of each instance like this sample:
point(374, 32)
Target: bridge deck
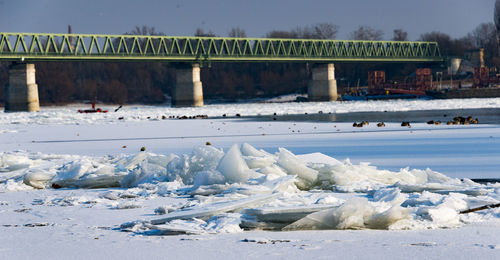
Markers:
point(71, 47)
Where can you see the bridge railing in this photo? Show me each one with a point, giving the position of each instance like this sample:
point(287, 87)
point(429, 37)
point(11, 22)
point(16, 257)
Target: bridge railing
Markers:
point(39, 46)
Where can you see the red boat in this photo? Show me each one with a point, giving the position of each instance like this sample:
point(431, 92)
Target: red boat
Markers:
point(93, 109)
point(405, 91)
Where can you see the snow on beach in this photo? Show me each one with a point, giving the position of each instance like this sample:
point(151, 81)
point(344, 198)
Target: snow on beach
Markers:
point(77, 185)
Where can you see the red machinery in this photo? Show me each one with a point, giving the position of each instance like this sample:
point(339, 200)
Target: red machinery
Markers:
point(376, 79)
point(93, 109)
point(481, 77)
point(423, 79)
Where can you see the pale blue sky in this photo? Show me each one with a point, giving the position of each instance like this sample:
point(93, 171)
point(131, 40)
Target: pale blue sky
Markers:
point(257, 17)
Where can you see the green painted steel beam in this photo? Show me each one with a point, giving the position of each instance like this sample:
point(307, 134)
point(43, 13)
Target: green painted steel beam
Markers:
point(87, 47)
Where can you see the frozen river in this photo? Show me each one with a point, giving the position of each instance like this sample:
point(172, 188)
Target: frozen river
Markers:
point(485, 116)
point(471, 151)
point(181, 194)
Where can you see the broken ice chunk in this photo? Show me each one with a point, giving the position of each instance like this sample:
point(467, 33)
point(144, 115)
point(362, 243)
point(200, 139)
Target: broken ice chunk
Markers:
point(390, 195)
point(249, 150)
point(215, 208)
point(273, 170)
point(295, 166)
point(145, 173)
point(13, 162)
point(86, 173)
point(208, 178)
point(284, 214)
point(259, 162)
point(234, 167)
point(203, 158)
point(356, 213)
point(318, 158)
point(38, 178)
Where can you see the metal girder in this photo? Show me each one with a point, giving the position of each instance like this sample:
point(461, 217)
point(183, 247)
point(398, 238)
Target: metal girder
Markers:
point(68, 47)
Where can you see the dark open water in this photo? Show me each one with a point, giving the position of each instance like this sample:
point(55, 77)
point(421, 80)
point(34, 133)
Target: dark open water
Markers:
point(485, 116)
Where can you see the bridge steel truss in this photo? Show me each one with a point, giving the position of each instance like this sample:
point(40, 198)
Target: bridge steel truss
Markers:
point(29, 47)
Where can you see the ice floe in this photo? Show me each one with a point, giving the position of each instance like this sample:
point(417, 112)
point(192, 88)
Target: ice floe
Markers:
point(247, 188)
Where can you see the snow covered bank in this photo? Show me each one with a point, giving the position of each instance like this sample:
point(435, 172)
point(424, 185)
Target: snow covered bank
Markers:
point(247, 188)
point(68, 114)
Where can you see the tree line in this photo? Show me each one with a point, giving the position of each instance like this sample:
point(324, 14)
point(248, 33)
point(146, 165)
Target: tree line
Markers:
point(119, 83)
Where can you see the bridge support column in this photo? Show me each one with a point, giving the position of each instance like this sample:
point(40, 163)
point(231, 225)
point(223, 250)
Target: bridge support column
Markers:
point(323, 86)
point(21, 93)
point(188, 91)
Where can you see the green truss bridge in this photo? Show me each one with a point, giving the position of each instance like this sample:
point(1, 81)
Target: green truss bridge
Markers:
point(188, 52)
point(40, 47)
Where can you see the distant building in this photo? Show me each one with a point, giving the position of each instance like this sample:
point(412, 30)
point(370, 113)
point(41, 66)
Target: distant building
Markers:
point(475, 56)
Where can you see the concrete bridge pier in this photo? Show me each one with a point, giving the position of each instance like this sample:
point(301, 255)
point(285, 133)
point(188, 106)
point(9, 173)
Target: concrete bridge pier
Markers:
point(188, 91)
point(21, 93)
point(323, 86)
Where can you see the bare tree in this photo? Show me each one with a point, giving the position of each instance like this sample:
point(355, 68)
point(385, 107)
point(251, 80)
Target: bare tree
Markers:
point(144, 30)
point(141, 30)
point(497, 16)
point(366, 33)
point(444, 41)
point(325, 30)
point(435, 36)
point(237, 32)
point(282, 34)
point(484, 35)
point(306, 32)
point(201, 33)
point(315, 31)
point(400, 35)
point(447, 45)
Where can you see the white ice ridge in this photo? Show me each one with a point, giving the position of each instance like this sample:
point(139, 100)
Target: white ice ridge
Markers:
point(69, 115)
point(250, 188)
point(208, 165)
